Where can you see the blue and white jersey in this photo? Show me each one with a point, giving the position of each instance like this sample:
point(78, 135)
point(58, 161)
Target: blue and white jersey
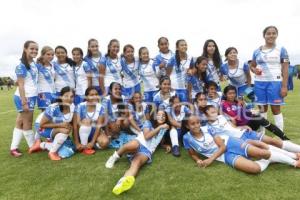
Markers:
point(111, 109)
point(269, 61)
point(93, 63)
point(54, 114)
point(46, 79)
point(130, 73)
point(197, 84)
point(153, 142)
point(81, 110)
point(82, 72)
point(205, 145)
point(216, 102)
point(113, 70)
point(139, 117)
point(213, 71)
point(30, 77)
point(148, 76)
point(237, 77)
point(178, 74)
point(162, 57)
point(184, 111)
point(202, 116)
point(162, 104)
point(64, 76)
point(223, 127)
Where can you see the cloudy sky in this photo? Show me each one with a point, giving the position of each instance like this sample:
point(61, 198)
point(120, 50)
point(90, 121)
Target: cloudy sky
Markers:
point(141, 22)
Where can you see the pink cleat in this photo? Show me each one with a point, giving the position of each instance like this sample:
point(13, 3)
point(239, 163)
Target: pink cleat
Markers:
point(15, 153)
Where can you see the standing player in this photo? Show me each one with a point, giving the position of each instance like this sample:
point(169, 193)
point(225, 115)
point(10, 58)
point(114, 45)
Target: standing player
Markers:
point(25, 97)
point(270, 64)
point(46, 86)
point(93, 58)
point(177, 68)
point(110, 67)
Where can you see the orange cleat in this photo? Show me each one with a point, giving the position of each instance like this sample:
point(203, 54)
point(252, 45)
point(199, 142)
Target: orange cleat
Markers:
point(35, 147)
point(54, 156)
point(88, 151)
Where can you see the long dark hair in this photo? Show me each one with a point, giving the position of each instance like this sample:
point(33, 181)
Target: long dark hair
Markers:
point(177, 57)
point(68, 60)
point(216, 57)
point(109, 45)
point(24, 59)
point(201, 75)
point(62, 92)
point(154, 121)
point(111, 87)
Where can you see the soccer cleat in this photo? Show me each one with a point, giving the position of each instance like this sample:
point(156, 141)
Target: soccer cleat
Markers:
point(54, 156)
point(175, 151)
point(15, 153)
point(88, 151)
point(111, 161)
point(35, 147)
point(124, 184)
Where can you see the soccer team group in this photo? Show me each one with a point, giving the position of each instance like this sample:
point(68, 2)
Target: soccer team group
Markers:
point(134, 104)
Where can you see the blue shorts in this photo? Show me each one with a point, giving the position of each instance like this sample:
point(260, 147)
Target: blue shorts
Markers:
point(128, 92)
point(182, 94)
point(235, 148)
point(252, 135)
point(44, 132)
point(121, 140)
point(78, 99)
point(148, 96)
point(241, 90)
point(30, 102)
point(45, 99)
point(142, 150)
point(268, 93)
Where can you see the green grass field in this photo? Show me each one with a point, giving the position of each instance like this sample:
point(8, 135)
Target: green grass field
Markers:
point(85, 177)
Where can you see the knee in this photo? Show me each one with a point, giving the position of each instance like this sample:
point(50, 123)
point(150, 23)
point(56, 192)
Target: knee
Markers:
point(103, 142)
point(264, 154)
point(255, 169)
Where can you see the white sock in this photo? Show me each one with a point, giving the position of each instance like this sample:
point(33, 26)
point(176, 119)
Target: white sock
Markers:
point(174, 137)
point(59, 139)
point(29, 137)
point(262, 129)
point(279, 121)
point(263, 164)
point(84, 133)
point(116, 155)
point(46, 145)
point(134, 130)
point(291, 147)
point(287, 153)
point(37, 136)
point(17, 137)
point(278, 157)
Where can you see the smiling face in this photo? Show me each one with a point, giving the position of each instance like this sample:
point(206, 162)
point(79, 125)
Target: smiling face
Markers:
point(270, 36)
point(163, 45)
point(202, 66)
point(48, 57)
point(32, 50)
point(67, 98)
point(194, 125)
point(129, 54)
point(161, 117)
point(212, 114)
point(182, 46)
point(94, 48)
point(211, 48)
point(212, 91)
point(116, 91)
point(77, 57)
point(166, 86)
point(114, 49)
point(92, 97)
point(137, 98)
point(144, 55)
point(61, 55)
point(232, 55)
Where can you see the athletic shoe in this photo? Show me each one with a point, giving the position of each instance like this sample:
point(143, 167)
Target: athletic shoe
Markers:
point(54, 156)
point(35, 147)
point(175, 151)
point(111, 161)
point(124, 184)
point(15, 153)
point(88, 151)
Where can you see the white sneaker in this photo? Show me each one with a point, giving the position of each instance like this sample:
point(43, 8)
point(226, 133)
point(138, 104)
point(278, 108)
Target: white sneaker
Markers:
point(111, 161)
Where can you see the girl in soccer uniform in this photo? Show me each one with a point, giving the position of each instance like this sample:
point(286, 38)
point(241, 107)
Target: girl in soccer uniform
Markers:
point(46, 86)
point(237, 72)
point(163, 57)
point(55, 123)
point(64, 70)
point(213, 96)
point(119, 117)
point(198, 77)
point(140, 149)
point(177, 69)
point(25, 97)
point(218, 124)
point(211, 51)
point(88, 123)
point(148, 74)
point(270, 64)
point(110, 67)
point(230, 150)
point(161, 98)
point(200, 105)
point(176, 113)
point(130, 72)
point(83, 75)
point(240, 116)
point(93, 58)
